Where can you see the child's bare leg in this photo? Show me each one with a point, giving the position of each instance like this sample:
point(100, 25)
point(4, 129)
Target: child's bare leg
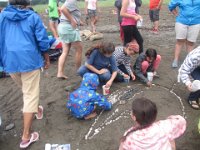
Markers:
point(156, 24)
point(90, 116)
point(62, 60)
point(173, 144)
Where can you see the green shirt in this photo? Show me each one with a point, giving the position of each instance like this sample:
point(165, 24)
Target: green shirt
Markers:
point(53, 9)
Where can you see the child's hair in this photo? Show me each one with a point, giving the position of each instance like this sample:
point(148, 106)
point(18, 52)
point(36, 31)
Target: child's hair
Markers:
point(145, 112)
point(19, 2)
point(134, 45)
point(151, 53)
point(103, 47)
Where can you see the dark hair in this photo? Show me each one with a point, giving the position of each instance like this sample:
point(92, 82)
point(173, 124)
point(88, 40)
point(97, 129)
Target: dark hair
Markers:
point(151, 53)
point(19, 2)
point(145, 112)
point(103, 47)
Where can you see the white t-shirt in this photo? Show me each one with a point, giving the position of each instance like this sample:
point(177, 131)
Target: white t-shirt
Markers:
point(92, 4)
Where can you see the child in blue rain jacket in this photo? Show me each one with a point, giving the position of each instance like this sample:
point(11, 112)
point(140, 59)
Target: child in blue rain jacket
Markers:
point(84, 100)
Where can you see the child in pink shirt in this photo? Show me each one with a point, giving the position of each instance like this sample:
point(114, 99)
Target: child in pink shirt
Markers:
point(148, 134)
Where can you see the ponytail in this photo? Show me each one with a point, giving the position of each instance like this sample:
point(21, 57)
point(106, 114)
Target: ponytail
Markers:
point(133, 130)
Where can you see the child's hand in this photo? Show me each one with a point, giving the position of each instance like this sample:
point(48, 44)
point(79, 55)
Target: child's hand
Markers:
point(46, 64)
point(126, 76)
point(133, 77)
point(102, 71)
point(149, 84)
point(189, 87)
point(109, 83)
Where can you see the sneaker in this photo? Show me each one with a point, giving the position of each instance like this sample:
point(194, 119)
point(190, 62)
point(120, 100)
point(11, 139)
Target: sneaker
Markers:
point(155, 74)
point(175, 64)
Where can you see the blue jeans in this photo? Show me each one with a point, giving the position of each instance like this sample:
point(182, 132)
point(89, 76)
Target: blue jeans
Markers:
point(102, 77)
point(196, 76)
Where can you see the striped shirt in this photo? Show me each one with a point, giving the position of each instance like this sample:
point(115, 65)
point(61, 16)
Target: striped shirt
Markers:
point(122, 59)
point(157, 136)
point(191, 62)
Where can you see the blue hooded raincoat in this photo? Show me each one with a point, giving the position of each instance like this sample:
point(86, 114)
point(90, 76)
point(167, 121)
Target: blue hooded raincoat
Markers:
point(83, 100)
point(189, 11)
point(23, 38)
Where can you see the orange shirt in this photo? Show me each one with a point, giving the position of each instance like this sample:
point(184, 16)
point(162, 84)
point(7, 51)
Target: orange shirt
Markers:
point(153, 4)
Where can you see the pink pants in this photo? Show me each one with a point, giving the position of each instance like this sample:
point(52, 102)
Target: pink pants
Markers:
point(156, 63)
point(121, 33)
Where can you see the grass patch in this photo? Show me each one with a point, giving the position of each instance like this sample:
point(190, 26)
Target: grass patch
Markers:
point(81, 4)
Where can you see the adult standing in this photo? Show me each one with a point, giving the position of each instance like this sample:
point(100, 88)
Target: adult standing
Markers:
point(129, 20)
point(187, 25)
point(191, 68)
point(53, 17)
point(21, 57)
point(69, 34)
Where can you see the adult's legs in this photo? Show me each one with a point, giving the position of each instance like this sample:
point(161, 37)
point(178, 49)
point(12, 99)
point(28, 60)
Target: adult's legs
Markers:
point(178, 47)
point(189, 46)
point(137, 36)
point(78, 56)
point(53, 27)
point(29, 82)
point(62, 60)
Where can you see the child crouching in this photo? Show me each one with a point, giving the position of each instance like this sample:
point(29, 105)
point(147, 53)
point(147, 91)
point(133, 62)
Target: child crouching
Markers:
point(147, 62)
point(84, 101)
point(148, 134)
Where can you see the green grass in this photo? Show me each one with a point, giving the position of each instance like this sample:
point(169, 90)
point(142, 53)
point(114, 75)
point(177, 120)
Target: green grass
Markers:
point(102, 3)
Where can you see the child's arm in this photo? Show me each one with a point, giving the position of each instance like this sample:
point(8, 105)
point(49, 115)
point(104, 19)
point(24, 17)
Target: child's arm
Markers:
point(93, 69)
point(160, 4)
point(46, 60)
point(109, 83)
point(138, 69)
point(67, 14)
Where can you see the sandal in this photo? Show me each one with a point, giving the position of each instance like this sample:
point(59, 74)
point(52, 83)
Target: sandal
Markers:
point(26, 143)
point(194, 104)
point(39, 115)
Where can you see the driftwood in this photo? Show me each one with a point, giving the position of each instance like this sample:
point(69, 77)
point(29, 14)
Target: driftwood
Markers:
point(88, 35)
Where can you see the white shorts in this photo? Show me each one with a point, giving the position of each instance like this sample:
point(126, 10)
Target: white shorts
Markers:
point(187, 32)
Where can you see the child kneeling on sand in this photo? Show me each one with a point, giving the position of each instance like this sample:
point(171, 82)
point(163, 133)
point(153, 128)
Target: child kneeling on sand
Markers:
point(123, 55)
point(148, 134)
point(84, 101)
point(146, 62)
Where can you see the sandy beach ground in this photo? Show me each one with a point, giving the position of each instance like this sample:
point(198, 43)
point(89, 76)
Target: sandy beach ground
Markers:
point(103, 132)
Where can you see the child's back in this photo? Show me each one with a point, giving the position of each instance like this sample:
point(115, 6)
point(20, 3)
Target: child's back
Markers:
point(84, 100)
point(150, 135)
point(157, 136)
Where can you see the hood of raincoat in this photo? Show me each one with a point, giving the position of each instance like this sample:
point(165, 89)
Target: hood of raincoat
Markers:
point(90, 81)
point(13, 13)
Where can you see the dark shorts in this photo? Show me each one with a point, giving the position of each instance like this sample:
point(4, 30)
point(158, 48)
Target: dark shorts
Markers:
point(92, 13)
point(154, 14)
point(54, 19)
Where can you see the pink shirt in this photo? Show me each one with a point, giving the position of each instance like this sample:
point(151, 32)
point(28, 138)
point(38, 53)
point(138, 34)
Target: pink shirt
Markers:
point(157, 136)
point(130, 10)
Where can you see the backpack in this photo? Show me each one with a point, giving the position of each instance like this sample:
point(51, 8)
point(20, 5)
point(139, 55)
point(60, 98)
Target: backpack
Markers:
point(138, 3)
point(118, 4)
point(55, 50)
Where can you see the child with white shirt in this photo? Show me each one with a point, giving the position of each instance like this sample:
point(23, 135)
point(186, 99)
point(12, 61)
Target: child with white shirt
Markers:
point(91, 12)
